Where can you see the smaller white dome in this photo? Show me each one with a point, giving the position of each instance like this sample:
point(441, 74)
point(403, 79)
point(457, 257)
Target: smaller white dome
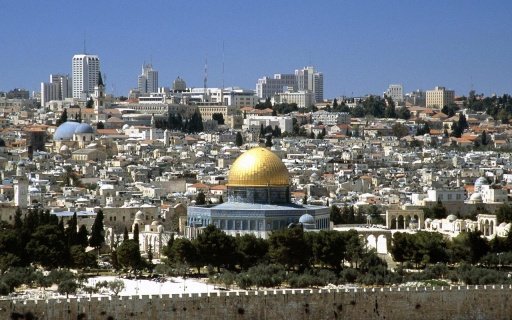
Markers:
point(139, 215)
point(451, 217)
point(476, 197)
point(307, 219)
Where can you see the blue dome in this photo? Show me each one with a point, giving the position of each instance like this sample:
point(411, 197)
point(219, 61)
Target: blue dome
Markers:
point(481, 181)
point(307, 219)
point(65, 131)
point(84, 128)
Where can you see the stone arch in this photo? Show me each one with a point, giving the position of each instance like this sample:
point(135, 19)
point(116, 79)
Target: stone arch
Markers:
point(393, 224)
point(371, 241)
point(400, 222)
point(407, 221)
point(382, 244)
point(491, 227)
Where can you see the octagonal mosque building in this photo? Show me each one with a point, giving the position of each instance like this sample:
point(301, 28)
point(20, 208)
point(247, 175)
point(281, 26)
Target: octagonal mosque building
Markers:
point(258, 200)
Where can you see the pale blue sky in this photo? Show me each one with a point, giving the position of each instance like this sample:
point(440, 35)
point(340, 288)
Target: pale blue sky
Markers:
point(360, 46)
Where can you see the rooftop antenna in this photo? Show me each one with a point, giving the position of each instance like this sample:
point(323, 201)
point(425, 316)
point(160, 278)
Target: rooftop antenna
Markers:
point(85, 47)
point(222, 90)
point(222, 64)
point(205, 81)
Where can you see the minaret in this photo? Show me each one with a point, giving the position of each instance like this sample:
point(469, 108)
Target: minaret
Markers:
point(20, 187)
point(152, 131)
point(167, 138)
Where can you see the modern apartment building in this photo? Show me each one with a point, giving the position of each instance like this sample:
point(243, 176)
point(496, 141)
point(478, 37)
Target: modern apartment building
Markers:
point(305, 79)
point(309, 80)
point(59, 88)
point(86, 69)
point(439, 97)
point(268, 87)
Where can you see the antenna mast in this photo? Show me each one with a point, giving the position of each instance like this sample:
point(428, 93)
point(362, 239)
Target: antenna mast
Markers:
point(205, 82)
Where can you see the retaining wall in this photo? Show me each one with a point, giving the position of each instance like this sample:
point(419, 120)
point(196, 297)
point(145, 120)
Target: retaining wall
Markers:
point(456, 302)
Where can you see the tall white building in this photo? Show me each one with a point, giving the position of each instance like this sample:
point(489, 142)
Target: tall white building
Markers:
point(86, 69)
point(148, 80)
point(396, 92)
point(309, 80)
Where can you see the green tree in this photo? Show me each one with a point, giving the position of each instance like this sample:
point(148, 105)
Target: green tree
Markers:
point(71, 231)
point(136, 233)
point(100, 125)
point(239, 140)
point(450, 109)
point(289, 248)
point(399, 130)
point(400, 247)
point(463, 123)
point(218, 117)
point(268, 141)
point(335, 215)
point(128, 255)
point(504, 213)
point(82, 236)
point(354, 247)
point(47, 247)
point(80, 258)
point(251, 250)
point(216, 248)
point(484, 138)
point(90, 103)
point(97, 233)
point(63, 117)
point(68, 287)
point(457, 130)
point(125, 234)
point(116, 286)
point(183, 251)
point(200, 199)
point(469, 246)
point(328, 248)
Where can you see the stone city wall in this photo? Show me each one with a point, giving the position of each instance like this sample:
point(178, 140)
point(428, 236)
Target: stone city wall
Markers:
point(456, 302)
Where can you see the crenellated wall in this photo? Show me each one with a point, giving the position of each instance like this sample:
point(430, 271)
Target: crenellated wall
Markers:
point(456, 302)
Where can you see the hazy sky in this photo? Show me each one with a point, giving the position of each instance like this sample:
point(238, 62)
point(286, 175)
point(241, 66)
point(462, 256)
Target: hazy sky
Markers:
point(360, 46)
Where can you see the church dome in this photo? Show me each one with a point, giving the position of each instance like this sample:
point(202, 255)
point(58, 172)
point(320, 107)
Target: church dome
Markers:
point(258, 167)
point(480, 182)
point(65, 131)
point(84, 128)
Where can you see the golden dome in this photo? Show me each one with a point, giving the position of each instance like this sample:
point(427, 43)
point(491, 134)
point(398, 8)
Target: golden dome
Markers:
point(258, 167)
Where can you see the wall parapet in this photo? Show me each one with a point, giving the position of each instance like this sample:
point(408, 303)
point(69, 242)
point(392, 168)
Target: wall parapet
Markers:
point(465, 301)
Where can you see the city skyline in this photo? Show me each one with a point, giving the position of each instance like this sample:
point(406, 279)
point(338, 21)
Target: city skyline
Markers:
point(359, 47)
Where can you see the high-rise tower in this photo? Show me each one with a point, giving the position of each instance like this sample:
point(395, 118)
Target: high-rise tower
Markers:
point(148, 80)
point(86, 69)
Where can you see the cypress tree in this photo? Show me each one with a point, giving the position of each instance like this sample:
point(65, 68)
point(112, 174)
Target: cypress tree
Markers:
point(239, 141)
point(97, 233)
point(136, 233)
point(125, 235)
point(63, 117)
